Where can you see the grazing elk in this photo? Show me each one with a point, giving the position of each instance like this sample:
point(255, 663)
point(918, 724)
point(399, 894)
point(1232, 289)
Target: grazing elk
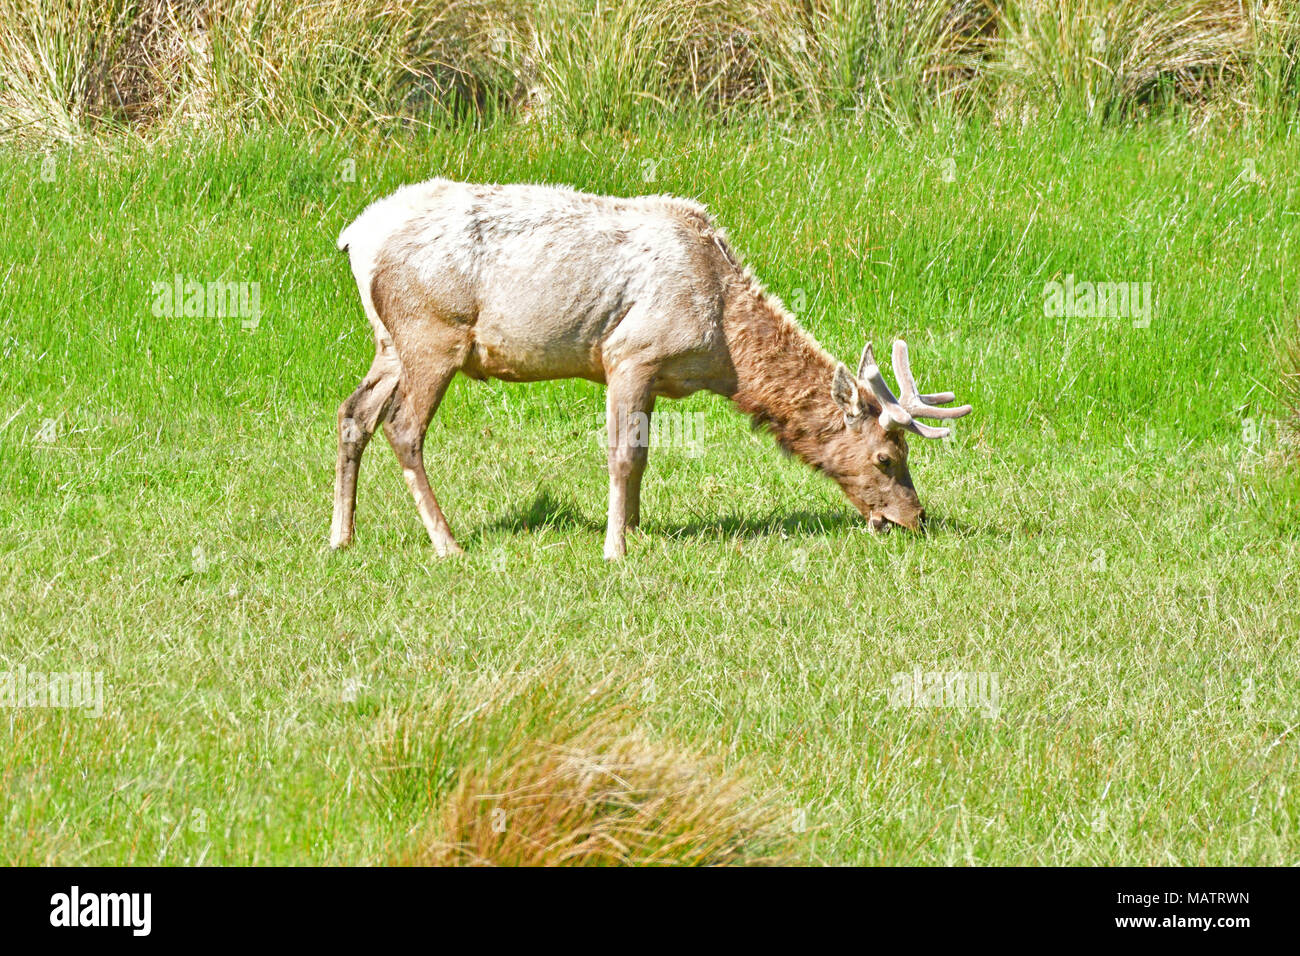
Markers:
point(525, 283)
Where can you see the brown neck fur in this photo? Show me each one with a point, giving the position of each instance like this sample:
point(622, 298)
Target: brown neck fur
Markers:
point(783, 377)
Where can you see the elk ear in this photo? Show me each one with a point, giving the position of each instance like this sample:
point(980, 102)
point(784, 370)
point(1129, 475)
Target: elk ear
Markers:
point(844, 389)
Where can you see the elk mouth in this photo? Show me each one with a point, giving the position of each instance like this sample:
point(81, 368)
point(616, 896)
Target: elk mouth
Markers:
point(880, 521)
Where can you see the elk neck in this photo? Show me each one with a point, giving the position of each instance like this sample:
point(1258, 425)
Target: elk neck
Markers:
point(783, 376)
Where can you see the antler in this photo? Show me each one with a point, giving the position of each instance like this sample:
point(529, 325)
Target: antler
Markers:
point(901, 413)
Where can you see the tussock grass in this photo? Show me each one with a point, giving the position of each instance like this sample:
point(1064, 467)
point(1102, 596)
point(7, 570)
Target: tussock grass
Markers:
point(1113, 58)
point(901, 59)
point(71, 68)
point(1275, 75)
point(70, 65)
point(586, 789)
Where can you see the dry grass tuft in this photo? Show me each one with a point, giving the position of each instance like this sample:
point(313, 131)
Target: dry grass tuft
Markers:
point(1114, 57)
point(69, 65)
point(596, 793)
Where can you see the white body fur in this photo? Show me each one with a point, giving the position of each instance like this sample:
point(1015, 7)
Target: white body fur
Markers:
point(554, 283)
point(523, 283)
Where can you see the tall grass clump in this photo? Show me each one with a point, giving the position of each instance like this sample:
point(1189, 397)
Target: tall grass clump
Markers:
point(71, 68)
point(898, 58)
point(1111, 59)
point(343, 65)
point(613, 64)
point(603, 64)
point(67, 66)
point(550, 776)
point(1275, 77)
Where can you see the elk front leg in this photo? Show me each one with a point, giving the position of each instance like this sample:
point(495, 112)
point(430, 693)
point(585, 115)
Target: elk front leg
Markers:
point(627, 411)
point(634, 479)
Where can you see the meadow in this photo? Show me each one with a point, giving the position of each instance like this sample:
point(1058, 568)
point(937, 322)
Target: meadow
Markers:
point(1112, 548)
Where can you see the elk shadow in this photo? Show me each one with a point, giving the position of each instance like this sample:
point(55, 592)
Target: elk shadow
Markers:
point(801, 522)
point(547, 511)
point(942, 524)
point(544, 511)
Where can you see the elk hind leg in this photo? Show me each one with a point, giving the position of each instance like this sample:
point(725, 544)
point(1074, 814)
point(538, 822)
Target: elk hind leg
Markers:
point(358, 417)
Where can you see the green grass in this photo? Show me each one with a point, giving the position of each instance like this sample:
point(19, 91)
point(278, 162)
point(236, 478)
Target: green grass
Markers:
point(1114, 537)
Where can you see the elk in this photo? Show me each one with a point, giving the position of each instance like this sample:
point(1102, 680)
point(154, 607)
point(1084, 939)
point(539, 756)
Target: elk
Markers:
point(644, 295)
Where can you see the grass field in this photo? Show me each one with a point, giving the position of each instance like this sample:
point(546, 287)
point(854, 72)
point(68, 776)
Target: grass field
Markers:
point(1114, 543)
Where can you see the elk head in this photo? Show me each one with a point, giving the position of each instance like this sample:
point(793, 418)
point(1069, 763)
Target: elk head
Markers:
point(869, 458)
